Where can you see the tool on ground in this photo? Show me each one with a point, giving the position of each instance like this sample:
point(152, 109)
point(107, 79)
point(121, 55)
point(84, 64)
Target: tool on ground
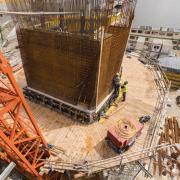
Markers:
point(144, 119)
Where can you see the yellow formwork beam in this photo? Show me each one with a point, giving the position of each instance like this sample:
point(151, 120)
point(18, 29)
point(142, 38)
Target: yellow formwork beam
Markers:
point(74, 26)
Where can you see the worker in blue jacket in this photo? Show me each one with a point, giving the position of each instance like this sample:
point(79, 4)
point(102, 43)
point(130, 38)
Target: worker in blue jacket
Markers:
point(117, 84)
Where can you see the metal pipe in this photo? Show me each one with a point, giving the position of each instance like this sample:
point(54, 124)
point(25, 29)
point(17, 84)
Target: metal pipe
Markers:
point(21, 13)
point(7, 171)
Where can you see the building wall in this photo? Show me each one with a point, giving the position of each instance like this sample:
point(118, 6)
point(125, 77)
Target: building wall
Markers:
point(160, 33)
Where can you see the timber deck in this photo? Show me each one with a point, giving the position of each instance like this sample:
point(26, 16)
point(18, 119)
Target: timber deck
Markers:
point(87, 142)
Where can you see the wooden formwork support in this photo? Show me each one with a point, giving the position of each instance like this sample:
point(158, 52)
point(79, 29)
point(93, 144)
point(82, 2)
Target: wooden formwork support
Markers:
point(160, 162)
point(167, 130)
point(154, 168)
point(176, 130)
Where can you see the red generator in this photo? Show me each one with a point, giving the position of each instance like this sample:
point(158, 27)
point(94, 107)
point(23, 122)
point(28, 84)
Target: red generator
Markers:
point(124, 134)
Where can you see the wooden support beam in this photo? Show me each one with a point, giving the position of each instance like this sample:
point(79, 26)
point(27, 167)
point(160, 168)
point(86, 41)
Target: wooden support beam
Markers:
point(176, 131)
point(167, 130)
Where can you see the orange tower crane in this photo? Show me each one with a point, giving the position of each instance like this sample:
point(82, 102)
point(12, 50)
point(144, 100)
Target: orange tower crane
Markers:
point(20, 136)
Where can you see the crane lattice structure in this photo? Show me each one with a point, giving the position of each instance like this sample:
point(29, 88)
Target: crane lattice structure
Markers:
point(23, 142)
point(20, 136)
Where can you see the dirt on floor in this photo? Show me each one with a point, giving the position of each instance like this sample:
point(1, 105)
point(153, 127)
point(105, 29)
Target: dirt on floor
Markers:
point(87, 142)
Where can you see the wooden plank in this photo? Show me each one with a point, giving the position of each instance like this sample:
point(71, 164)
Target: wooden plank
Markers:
point(160, 156)
point(170, 123)
point(167, 130)
point(176, 131)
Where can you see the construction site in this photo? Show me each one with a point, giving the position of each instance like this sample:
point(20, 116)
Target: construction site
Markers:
point(73, 103)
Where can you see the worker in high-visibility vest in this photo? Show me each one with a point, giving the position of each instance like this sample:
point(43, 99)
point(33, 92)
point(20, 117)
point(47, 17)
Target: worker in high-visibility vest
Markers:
point(124, 89)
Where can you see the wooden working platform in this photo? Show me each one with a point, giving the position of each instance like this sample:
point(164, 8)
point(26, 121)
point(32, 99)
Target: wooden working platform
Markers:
point(87, 142)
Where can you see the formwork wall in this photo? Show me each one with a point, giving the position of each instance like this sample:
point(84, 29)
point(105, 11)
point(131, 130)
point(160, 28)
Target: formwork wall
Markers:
point(61, 65)
point(66, 66)
point(62, 50)
point(111, 60)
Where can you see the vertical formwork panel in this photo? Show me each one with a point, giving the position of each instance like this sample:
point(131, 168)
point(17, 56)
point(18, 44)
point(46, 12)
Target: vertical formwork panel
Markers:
point(63, 66)
point(104, 87)
point(61, 52)
point(111, 60)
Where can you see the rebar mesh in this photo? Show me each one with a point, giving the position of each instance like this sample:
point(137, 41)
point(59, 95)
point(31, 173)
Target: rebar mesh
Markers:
point(82, 16)
point(73, 51)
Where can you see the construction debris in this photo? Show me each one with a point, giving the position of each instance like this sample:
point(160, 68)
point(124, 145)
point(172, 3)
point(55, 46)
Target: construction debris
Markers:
point(167, 162)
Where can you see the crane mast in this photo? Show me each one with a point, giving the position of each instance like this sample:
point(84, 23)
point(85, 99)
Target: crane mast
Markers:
point(20, 136)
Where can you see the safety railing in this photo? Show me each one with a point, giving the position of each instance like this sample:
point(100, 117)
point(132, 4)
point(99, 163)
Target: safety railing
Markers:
point(163, 86)
point(90, 167)
point(150, 148)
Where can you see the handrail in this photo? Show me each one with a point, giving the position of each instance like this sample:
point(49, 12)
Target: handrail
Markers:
point(96, 166)
point(163, 86)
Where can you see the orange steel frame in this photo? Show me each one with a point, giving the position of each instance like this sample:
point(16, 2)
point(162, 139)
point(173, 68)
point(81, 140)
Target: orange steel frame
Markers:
point(20, 136)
